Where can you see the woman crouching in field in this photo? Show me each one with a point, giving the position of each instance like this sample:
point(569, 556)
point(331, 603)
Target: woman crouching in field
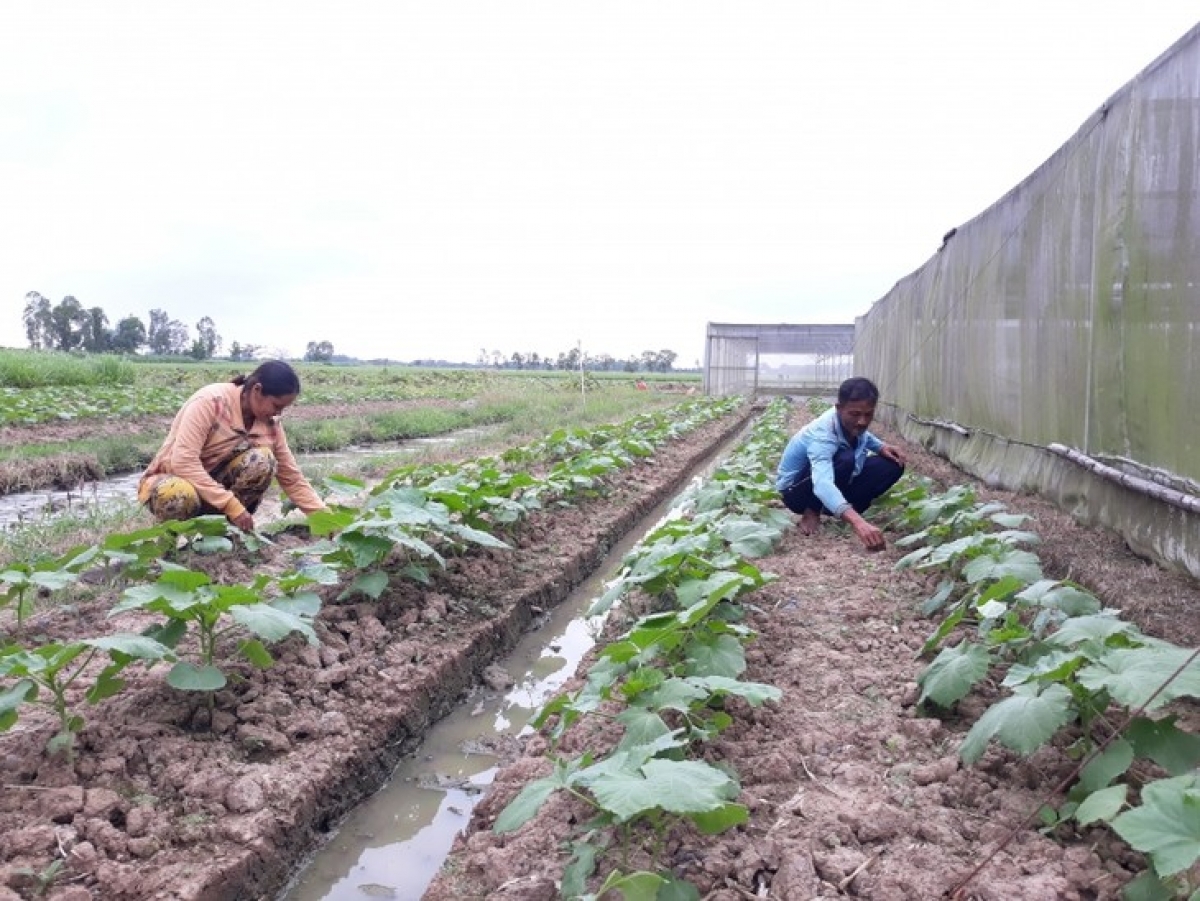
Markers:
point(224, 447)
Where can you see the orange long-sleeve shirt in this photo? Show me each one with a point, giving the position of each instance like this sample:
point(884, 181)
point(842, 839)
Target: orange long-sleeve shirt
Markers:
point(207, 430)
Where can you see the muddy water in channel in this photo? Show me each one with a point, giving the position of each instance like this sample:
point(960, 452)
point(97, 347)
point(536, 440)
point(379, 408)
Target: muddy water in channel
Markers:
point(393, 844)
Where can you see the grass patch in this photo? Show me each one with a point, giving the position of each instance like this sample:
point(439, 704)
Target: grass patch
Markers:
point(36, 369)
point(52, 535)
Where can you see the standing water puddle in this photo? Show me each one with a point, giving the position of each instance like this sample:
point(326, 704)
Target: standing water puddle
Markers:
point(393, 844)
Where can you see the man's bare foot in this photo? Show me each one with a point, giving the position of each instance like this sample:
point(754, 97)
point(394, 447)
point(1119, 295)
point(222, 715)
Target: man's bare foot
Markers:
point(810, 522)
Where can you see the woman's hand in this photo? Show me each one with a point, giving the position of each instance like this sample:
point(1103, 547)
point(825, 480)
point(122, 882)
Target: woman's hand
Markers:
point(243, 521)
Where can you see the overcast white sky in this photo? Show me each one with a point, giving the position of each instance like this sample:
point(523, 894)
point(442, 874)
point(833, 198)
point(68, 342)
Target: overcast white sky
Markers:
point(417, 180)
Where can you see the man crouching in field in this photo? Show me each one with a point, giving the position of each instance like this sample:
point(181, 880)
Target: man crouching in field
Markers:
point(834, 465)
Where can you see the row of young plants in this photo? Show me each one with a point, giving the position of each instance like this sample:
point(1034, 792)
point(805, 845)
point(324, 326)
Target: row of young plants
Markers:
point(411, 521)
point(1077, 676)
point(665, 681)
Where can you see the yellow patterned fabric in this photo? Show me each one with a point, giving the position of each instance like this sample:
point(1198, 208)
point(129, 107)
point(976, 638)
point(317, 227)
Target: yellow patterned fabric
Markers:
point(247, 476)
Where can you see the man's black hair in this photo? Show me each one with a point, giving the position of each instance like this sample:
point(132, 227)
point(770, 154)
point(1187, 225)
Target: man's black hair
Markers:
point(857, 388)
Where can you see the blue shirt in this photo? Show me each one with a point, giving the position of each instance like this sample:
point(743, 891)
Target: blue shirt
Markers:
point(813, 448)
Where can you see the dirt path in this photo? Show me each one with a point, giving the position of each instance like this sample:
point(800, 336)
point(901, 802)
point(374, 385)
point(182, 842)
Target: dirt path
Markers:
point(852, 791)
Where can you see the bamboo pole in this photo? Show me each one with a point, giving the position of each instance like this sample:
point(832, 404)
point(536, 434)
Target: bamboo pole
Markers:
point(1171, 496)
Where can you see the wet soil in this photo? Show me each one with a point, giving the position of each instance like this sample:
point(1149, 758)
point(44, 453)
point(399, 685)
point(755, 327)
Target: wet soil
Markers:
point(852, 790)
point(167, 799)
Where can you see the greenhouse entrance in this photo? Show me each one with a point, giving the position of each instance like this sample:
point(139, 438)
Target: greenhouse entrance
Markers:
point(777, 359)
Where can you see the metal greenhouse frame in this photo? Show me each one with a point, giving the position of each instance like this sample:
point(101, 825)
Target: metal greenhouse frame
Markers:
point(777, 359)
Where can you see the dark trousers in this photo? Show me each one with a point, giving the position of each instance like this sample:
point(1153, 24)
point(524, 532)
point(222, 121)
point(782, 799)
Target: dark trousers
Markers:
point(877, 476)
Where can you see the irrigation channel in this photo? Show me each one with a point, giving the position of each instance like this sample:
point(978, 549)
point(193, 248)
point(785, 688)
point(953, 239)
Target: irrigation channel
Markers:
point(393, 844)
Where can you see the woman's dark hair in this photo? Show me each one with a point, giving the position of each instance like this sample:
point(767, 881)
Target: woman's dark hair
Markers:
point(857, 388)
point(278, 379)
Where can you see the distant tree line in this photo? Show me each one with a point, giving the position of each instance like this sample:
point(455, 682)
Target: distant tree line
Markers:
point(646, 361)
point(69, 326)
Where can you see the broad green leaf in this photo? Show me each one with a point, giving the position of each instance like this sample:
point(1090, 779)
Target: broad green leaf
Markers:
point(947, 625)
point(1167, 824)
point(530, 799)
point(672, 694)
point(950, 677)
point(184, 579)
point(699, 595)
point(711, 822)
point(1101, 805)
point(478, 536)
point(1166, 744)
point(1001, 590)
point(640, 886)
point(1020, 564)
point(937, 600)
point(107, 684)
point(992, 609)
point(421, 548)
point(79, 557)
point(212, 544)
point(372, 584)
point(525, 805)
point(1023, 722)
point(611, 595)
point(302, 603)
point(1106, 766)
point(319, 572)
point(714, 655)
point(642, 726)
point(642, 680)
point(748, 538)
point(1055, 666)
point(169, 633)
point(364, 550)
point(754, 693)
point(190, 677)
point(579, 869)
point(254, 651)
point(677, 786)
point(12, 698)
point(909, 561)
point(138, 647)
point(1009, 520)
point(271, 623)
point(326, 522)
point(675, 889)
point(1098, 628)
point(52, 581)
point(1071, 600)
point(1147, 886)
point(1137, 676)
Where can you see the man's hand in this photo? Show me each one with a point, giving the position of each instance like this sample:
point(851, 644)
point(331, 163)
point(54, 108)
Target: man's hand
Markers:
point(893, 453)
point(871, 536)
